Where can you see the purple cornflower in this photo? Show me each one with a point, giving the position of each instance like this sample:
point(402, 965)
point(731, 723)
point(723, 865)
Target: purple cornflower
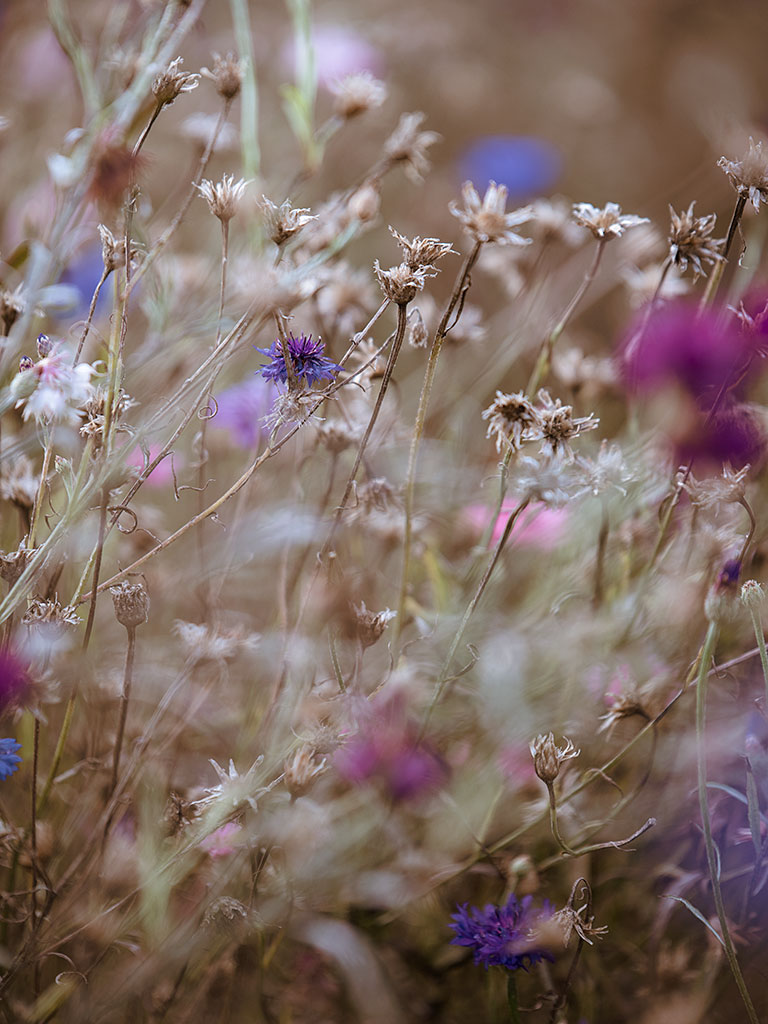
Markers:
point(386, 749)
point(526, 165)
point(306, 357)
point(501, 936)
point(9, 759)
point(241, 410)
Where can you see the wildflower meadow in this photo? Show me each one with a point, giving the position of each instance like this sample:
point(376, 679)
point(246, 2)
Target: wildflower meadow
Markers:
point(383, 447)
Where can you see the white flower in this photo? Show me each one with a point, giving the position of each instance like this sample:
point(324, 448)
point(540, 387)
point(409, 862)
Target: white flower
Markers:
point(52, 389)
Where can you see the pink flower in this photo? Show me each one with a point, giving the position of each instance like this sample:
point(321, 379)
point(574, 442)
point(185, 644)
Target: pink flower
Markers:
point(541, 528)
point(339, 51)
point(161, 475)
point(217, 843)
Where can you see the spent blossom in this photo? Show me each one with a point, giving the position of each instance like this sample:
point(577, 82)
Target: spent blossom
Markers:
point(606, 222)
point(502, 936)
point(408, 145)
point(690, 240)
point(357, 93)
point(557, 425)
point(283, 221)
point(749, 176)
point(226, 74)
point(224, 196)
point(512, 419)
point(419, 253)
point(400, 284)
point(171, 82)
point(307, 361)
point(486, 219)
point(548, 758)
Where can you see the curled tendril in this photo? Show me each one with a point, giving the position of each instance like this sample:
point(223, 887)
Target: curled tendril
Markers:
point(211, 409)
point(125, 508)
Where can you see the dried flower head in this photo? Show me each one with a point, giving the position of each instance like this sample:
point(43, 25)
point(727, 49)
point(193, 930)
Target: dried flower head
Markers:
point(407, 145)
point(233, 789)
point(548, 480)
point(224, 197)
point(291, 406)
point(417, 329)
point(578, 371)
point(400, 284)
point(552, 220)
point(131, 602)
point(606, 222)
point(370, 625)
point(113, 249)
point(226, 74)
point(512, 420)
point(647, 285)
point(364, 203)
point(357, 93)
point(283, 221)
point(19, 482)
point(301, 769)
point(625, 705)
point(752, 594)
point(607, 472)
point(420, 253)
point(749, 176)
point(548, 758)
point(168, 84)
point(580, 921)
point(53, 613)
point(557, 426)
point(337, 435)
point(225, 915)
point(729, 486)
point(690, 240)
point(486, 220)
point(13, 564)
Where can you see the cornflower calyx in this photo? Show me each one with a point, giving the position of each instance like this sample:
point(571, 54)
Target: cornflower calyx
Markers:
point(224, 196)
point(749, 176)
point(283, 221)
point(421, 253)
point(606, 222)
point(357, 93)
point(548, 758)
point(690, 240)
point(168, 84)
point(400, 284)
point(226, 74)
point(486, 220)
point(307, 361)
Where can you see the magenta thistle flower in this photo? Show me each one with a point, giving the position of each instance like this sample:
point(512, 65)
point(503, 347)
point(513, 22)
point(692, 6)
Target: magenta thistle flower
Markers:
point(9, 759)
point(306, 357)
point(15, 683)
point(501, 936)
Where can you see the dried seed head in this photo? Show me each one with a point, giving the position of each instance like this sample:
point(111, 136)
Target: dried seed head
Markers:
point(548, 757)
point(511, 419)
point(300, 770)
point(408, 146)
point(11, 307)
point(690, 240)
point(400, 284)
point(486, 220)
point(131, 602)
point(749, 176)
point(113, 249)
point(625, 705)
point(730, 486)
point(752, 594)
point(369, 625)
point(606, 222)
point(225, 915)
point(557, 425)
point(168, 84)
point(580, 921)
point(357, 93)
point(417, 329)
point(41, 613)
point(227, 74)
point(13, 564)
point(224, 197)
point(420, 253)
point(282, 222)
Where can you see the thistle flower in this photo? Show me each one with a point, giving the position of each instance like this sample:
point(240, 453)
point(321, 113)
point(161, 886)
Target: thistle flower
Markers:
point(690, 240)
point(282, 222)
point(486, 220)
point(224, 197)
point(171, 82)
point(606, 222)
point(548, 758)
point(408, 146)
point(9, 759)
point(357, 93)
point(749, 176)
point(226, 74)
point(307, 361)
point(502, 936)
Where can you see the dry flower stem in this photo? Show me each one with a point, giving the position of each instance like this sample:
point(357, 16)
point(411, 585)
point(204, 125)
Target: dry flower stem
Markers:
point(707, 653)
point(459, 289)
point(124, 698)
point(91, 310)
point(760, 637)
point(569, 851)
point(40, 492)
point(717, 271)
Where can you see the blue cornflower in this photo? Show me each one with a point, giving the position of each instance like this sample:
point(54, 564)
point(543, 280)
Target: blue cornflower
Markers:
point(307, 360)
point(9, 759)
point(500, 936)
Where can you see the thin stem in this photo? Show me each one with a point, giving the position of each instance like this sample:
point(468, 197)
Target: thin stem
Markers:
point(142, 138)
point(98, 551)
point(33, 842)
point(760, 637)
point(444, 672)
point(459, 288)
point(40, 494)
point(91, 310)
point(602, 544)
point(707, 653)
point(568, 850)
point(124, 698)
point(717, 271)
